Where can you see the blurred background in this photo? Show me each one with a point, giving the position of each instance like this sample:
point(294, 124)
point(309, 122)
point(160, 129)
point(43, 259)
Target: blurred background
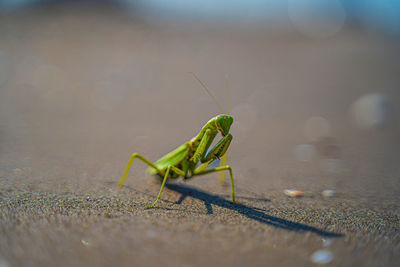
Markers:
point(86, 83)
point(314, 87)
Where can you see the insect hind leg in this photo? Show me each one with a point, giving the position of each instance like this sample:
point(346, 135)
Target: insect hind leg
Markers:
point(200, 171)
point(167, 173)
point(129, 165)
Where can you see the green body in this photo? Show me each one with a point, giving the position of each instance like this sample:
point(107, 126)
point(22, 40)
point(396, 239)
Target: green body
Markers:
point(184, 160)
point(187, 156)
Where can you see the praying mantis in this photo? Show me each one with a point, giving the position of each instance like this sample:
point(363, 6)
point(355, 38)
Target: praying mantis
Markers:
point(183, 160)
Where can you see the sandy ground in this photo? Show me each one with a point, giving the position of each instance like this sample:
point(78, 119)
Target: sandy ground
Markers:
point(81, 90)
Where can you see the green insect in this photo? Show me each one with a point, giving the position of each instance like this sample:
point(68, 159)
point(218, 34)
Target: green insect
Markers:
point(183, 160)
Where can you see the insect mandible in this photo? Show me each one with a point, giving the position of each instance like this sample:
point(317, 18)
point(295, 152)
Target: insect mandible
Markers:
point(184, 160)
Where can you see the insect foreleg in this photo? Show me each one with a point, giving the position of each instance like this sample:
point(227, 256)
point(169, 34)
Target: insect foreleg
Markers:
point(203, 146)
point(128, 167)
point(218, 169)
point(219, 149)
point(177, 171)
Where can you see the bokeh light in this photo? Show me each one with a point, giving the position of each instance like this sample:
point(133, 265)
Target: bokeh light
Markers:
point(372, 111)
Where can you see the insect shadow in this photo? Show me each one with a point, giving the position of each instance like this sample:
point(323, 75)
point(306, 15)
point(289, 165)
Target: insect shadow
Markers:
point(250, 212)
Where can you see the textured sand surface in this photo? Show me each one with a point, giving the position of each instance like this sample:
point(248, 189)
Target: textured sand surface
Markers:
point(84, 89)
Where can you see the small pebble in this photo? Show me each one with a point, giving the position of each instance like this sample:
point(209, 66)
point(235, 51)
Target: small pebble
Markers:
point(328, 193)
point(293, 193)
point(322, 256)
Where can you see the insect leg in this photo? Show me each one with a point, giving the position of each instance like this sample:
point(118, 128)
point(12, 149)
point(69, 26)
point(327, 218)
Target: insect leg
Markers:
point(176, 170)
point(128, 167)
point(218, 169)
point(218, 150)
point(221, 175)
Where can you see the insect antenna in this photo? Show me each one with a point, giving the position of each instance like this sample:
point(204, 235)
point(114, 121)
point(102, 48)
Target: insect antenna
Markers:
point(227, 94)
point(224, 158)
point(208, 91)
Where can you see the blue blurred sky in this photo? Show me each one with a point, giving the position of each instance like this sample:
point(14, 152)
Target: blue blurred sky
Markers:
point(382, 15)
